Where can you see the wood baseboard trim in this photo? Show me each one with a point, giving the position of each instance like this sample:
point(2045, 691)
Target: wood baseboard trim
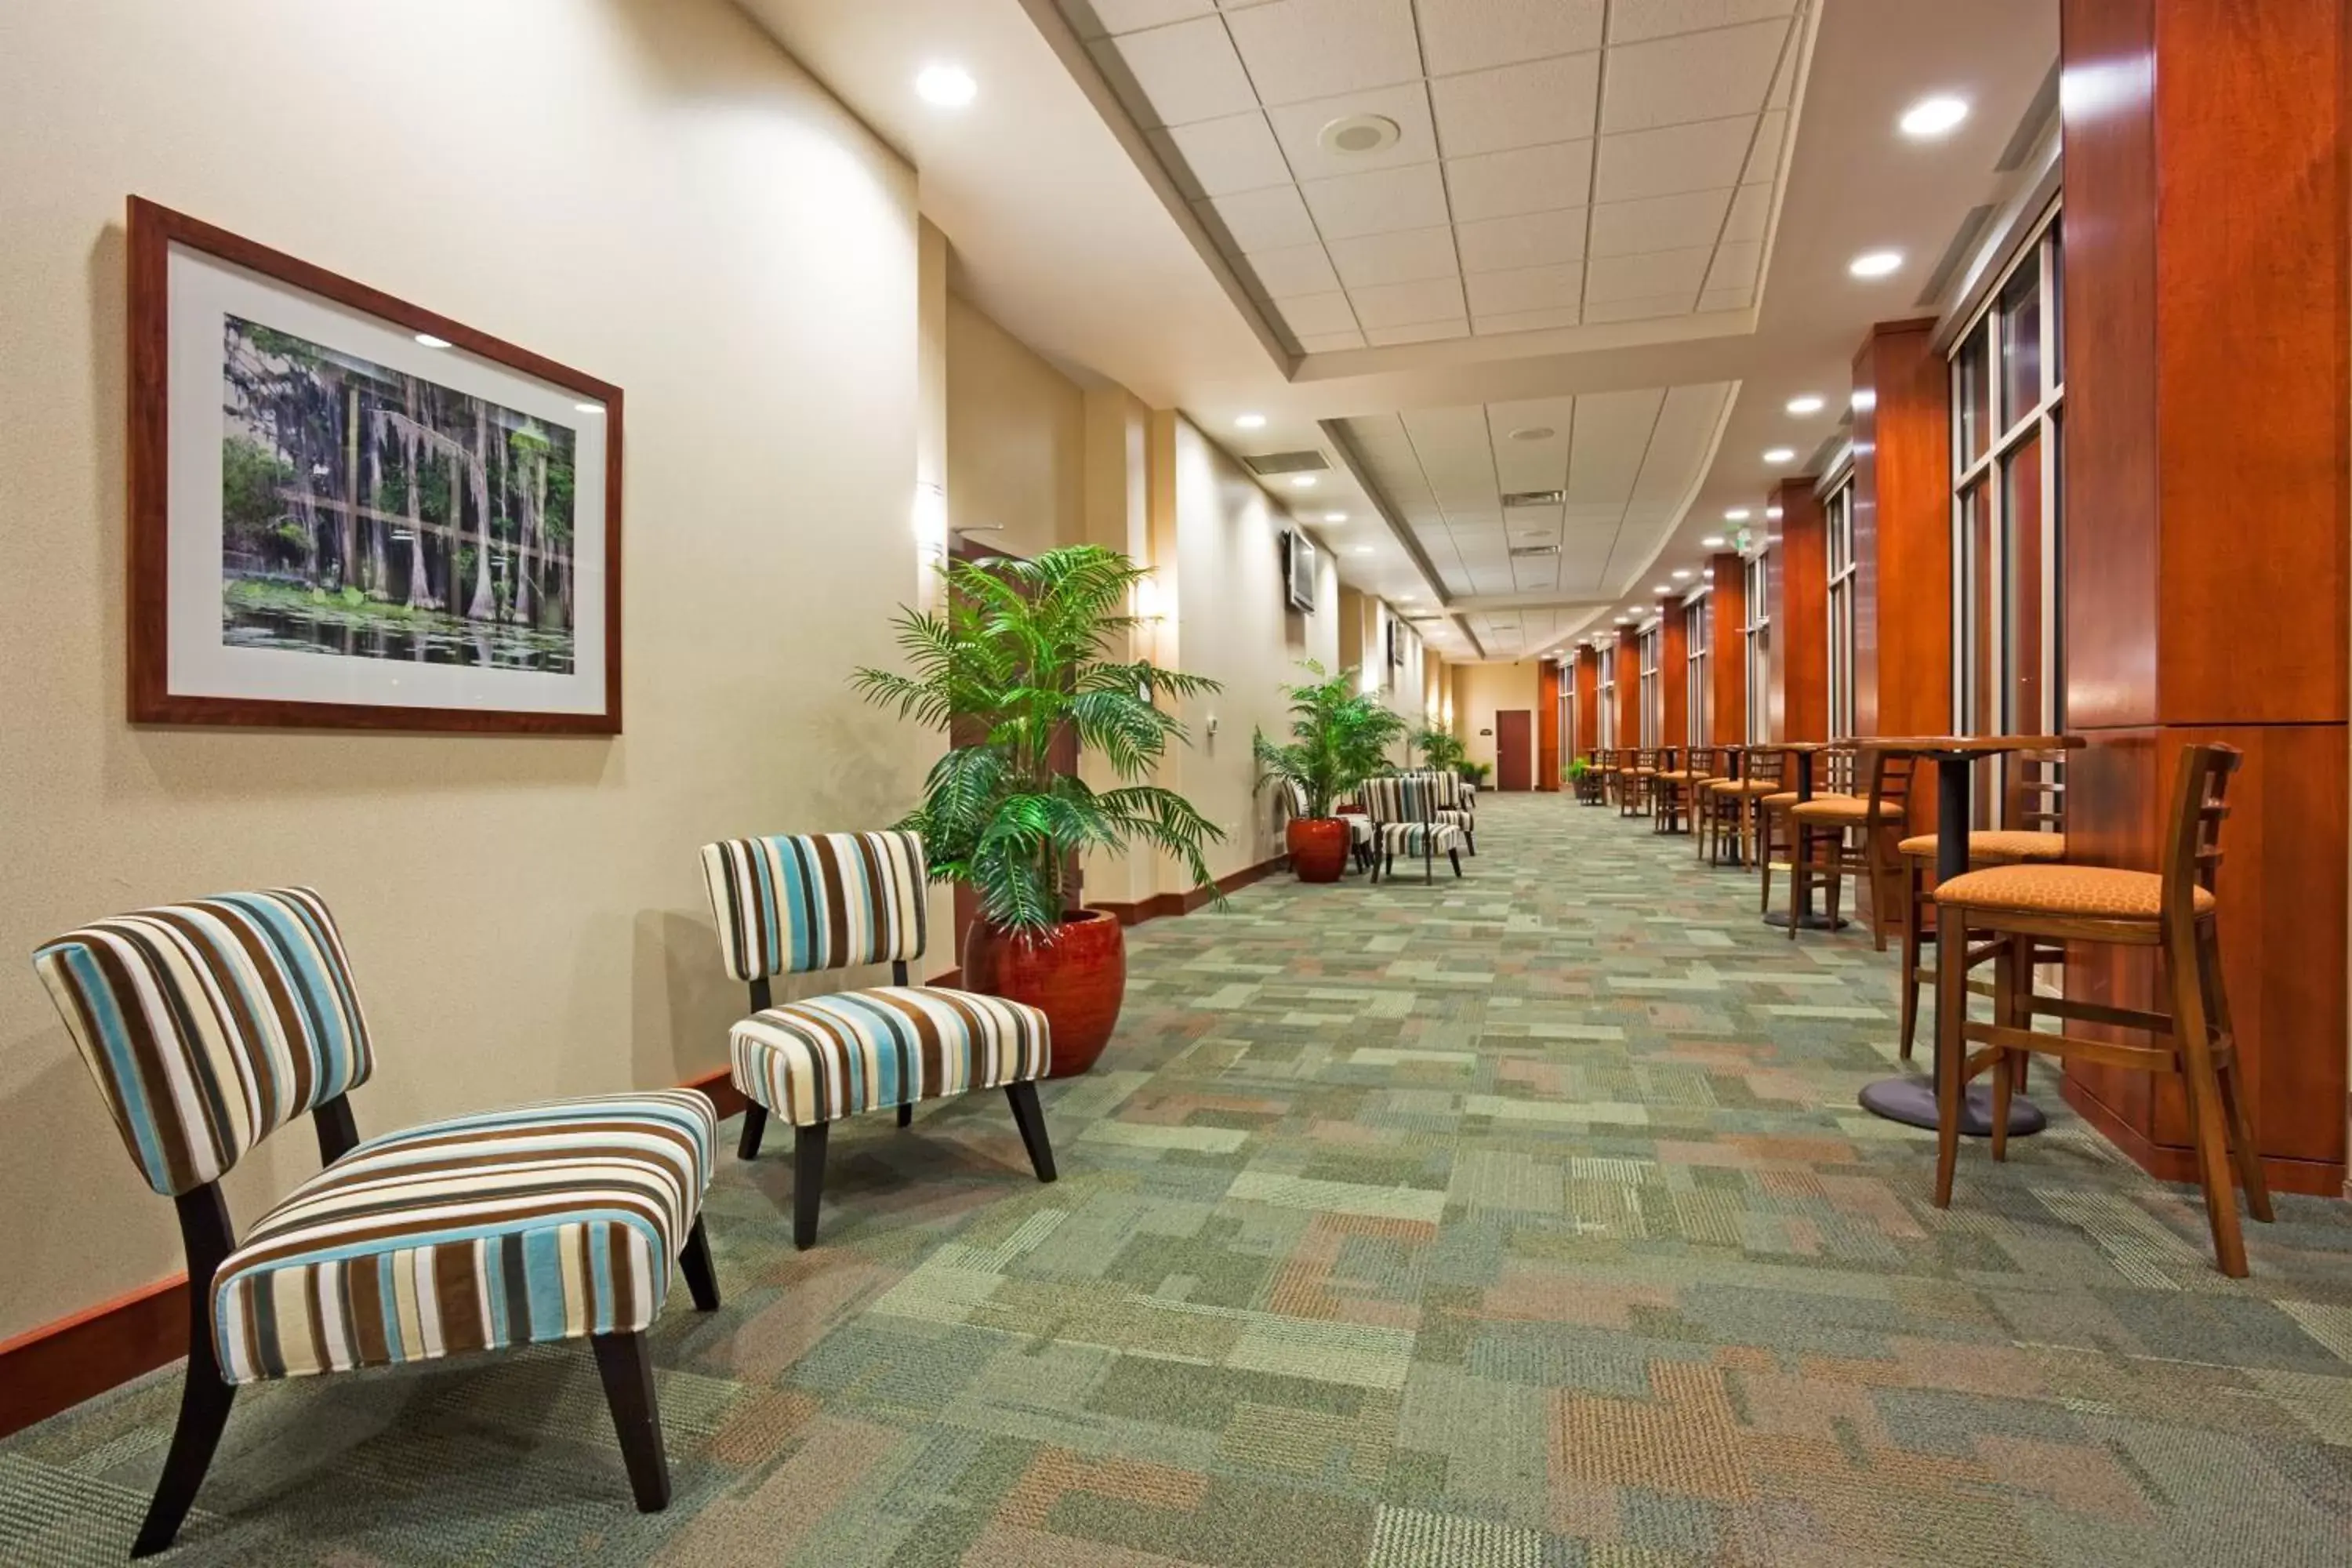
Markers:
point(1162, 906)
point(2169, 1162)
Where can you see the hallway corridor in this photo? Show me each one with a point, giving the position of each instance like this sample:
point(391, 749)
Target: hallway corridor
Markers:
point(1527, 1220)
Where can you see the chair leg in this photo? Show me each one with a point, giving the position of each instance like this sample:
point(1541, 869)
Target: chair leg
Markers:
point(2011, 966)
point(1029, 1117)
point(701, 1279)
point(626, 1364)
point(1764, 862)
point(1455, 855)
point(906, 1114)
point(204, 1403)
point(2205, 1123)
point(1910, 981)
point(2242, 1147)
point(755, 1126)
point(1951, 1046)
point(808, 1180)
point(1801, 873)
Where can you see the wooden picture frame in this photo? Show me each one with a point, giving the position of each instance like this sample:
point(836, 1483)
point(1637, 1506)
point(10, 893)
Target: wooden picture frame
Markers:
point(240, 619)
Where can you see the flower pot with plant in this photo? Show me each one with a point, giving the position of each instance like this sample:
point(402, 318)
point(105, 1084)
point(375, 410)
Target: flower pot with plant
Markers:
point(1339, 736)
point(1440, 750)
point(1021, 655)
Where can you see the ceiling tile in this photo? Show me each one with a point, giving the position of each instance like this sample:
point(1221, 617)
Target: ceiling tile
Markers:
point(1630, 21)
point(1315, 315)
point(1379, 203)
point(1471, 35)
point(1764, 162)
point(1537, 239)
point(1097, 18)
point(1726, 300)
point(1516, 106)
point(1751, 212)
point(1219, 157)
point(1178, 74)
point(1659, 223)
point(1294, 270)
point(1301, 49)
point(1300, 125)
point(1402, 304)
point(1261, 220)
point(1735, 266)
point(1679, 158)
point(1526, 180)
point(1493, 324)
point(1401, 257)
point(1528, 289)
point(1649, 308)
point(1636, 277)
point(1331, 342)
point(1418, 332)
point(1698, 76)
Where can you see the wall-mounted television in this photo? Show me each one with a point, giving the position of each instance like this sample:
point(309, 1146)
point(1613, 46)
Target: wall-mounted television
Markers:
point(1299, 570)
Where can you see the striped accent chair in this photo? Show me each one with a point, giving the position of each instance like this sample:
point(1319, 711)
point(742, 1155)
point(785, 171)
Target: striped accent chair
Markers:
point(1403, 809)
point(837, 901)
point(210, 1025)
point(1455, 802)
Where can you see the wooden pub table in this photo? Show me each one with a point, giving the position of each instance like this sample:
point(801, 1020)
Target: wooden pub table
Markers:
point(1908, 1098)
point(1804, 751)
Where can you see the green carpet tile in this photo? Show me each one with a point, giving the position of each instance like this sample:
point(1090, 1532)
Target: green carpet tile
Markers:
point(1524, 1221)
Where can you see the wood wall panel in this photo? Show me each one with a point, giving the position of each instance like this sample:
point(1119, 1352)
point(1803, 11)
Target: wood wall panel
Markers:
point(1588, 699)
point(1674, 678)
point(1726, 657)
point(1547, 726)
point(1800, 586)
point(1903, 532)
point(1628, 687)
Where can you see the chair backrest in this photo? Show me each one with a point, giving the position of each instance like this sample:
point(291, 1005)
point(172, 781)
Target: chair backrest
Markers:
point(816, 900)
point(1837, 769)
point(1399, 797)
point(1886, 778)
point(210, 1025)
point(1765, 764)
point(2192, 839)
point(1446, 790)
point(2036, 793)
point(1294, 795)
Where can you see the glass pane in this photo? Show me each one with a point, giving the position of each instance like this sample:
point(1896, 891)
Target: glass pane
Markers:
point(1973, 399)
point(2021, 344)
point(2021, 503)
point(2057, 307)
point(1980, 711)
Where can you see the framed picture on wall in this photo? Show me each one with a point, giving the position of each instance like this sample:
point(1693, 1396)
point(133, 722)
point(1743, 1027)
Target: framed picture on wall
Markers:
point(347, 511)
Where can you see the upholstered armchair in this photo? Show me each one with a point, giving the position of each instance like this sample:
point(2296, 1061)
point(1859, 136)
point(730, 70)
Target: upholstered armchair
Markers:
point(836, 900)
point(1454, 800)
point(1405, 815)
point(210, 1025)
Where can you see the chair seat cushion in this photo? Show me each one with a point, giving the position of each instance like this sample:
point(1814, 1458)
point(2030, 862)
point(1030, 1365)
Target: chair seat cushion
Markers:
point(1453, 818)
point(1994, 848)
point(2089, 892)
point(1835, 809)
point(1360, 828)
point(1747, 787)
point(546, 1222)
point(831, 1056)
point(1418, 837)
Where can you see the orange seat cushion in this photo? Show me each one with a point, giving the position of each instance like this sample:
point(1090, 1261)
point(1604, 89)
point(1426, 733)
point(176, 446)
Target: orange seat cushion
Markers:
point(1995, 848)
point(1835, 810)
point(1748, 786)
point(2089, 892)
point(1786, 799)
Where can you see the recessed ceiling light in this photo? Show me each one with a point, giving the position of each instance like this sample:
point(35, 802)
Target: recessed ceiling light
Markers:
point(1661, 589)
point(1808, 404)
point(1335, 517)
point(1250, 422)
point(1355, 135)
point(1773, 513)
point(1681, 576)
point(947, 87)
point(1875, 263)
point(1779, 455)
point(1622, 619)
point(1302, 481)
point(430, 342)
point(1934, 116)
point(1736, 514)
point(1534, 433)
point(589, 407)
point(1364, 550)
point(1712, 541)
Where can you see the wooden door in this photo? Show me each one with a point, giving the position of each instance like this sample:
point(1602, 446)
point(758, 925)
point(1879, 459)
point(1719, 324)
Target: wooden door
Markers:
point(1515, 749)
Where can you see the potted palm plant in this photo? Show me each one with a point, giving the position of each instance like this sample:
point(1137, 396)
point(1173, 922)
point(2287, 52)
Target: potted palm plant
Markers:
point(1019, 657)
point(1440, 750)
point(1339, 736)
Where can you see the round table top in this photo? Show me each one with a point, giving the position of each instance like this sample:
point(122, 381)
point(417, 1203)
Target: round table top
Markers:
point(1969, 745)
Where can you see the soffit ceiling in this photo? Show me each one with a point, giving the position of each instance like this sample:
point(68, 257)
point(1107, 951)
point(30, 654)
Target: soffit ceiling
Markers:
point(1557, 163)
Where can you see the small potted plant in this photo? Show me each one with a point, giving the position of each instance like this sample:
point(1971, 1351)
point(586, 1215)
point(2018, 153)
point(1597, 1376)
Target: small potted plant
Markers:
point(1019, 656)
point(1440, 750)
point(1339, 736)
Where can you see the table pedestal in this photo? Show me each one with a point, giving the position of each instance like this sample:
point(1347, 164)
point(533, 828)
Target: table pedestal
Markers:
point(1808, 918)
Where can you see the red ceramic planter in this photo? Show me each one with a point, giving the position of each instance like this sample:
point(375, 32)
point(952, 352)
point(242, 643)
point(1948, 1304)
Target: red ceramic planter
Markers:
point(1077, 978)
point(1318, 847)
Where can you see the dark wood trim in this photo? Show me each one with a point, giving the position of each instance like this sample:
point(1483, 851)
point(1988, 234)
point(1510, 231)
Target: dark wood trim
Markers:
point(58, 1365)
point(152, 231)
point(720, 1086)
point(2172, 1163)
point(1163, 906)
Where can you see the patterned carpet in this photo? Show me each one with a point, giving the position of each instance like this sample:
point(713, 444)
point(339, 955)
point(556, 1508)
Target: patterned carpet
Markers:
point(1521, 1221)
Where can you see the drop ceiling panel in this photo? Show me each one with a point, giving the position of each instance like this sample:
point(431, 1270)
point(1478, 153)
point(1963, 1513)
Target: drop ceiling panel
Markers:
point(1642, 308)
point(1403, 304)
point(1298, 129)
point(1383, 202)
point(1459, 36)
point(1301, 49)
point(1526, 180)
point(1532, 239)
point(1519, 105)
point(1221, 157)
point(1700, 157)
point(1401, 257)
point(1610, 278)
point(1612, 436)
point(1272, 219)
point(1174, 76)
point(1317, 314)
point(1295, 270)
point(1525, 288)
point(1630, 21)
point(1660, 223)
point(1498, 323)
point(1751, 211)
point(1099, 18)
point(1695, 76)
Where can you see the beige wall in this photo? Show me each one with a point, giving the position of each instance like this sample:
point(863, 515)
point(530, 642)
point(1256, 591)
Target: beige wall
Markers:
point(646, 189)
point(1016, 441)
point(1482, 689)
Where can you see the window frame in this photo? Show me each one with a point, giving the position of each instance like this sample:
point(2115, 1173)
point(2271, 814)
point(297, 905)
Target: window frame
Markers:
point(1650, 644)
point(1698, 691)
point(1840, 603)
point(1756, 633)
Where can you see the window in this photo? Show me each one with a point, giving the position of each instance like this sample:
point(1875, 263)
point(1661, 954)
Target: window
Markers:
point(1572, 743)
point(2008, 427)
point(1654, 717)
point(1760, 653)
point(1841, 585)
point(1698, 693)
point(1608, 704)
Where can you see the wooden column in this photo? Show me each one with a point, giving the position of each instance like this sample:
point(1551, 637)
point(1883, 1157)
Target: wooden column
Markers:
point(1548, 725)
point(2206, 496)
point(1902, 541)
point(1727, 649)
point(1588, 698)
point(1674, 677)
point(1628, 687)
point(1797, 578)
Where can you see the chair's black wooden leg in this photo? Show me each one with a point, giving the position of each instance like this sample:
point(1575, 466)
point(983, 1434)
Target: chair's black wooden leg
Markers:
point(626, 1364)
point(808, 1180)
point(204, 1398)
point(906, 1114)
point(1028, 1116)
point(1455, 855)
point(700, 1278)
point(755, 1124)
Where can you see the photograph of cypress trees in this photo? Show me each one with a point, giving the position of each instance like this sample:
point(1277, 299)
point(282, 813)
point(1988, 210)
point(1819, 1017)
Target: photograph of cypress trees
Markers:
point(367, 512)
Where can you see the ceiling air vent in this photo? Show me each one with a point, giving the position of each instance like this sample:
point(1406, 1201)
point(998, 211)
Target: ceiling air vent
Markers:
point(1536, 498)
point(1289, 463)
point(1519, 552)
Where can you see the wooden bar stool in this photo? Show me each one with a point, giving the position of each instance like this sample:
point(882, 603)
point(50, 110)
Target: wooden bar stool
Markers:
point(1670, 790)
point(1733, 814)
point(1849, 833)
point(2173, 911)
point(1776, 840)
point(1639, 766)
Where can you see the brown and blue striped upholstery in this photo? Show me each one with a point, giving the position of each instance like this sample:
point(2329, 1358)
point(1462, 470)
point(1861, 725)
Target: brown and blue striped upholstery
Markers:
point(1452, 800)
point(545, 1222)
point(210, 1025)
point(1418, 837)
point(1402, 797)
point(831, 1057)
point(821, 900)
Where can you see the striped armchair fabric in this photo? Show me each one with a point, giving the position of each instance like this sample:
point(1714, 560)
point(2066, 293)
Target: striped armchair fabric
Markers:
point(1454, 801)
point(210, 1025)
point(833, 900)
point(1405, 814)
point(1359, 827)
